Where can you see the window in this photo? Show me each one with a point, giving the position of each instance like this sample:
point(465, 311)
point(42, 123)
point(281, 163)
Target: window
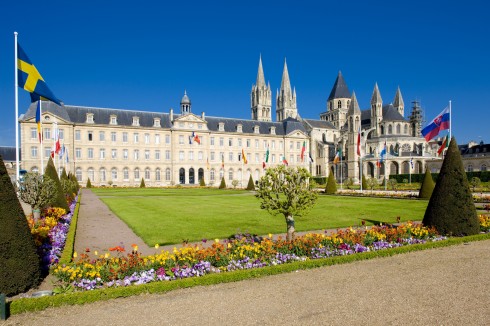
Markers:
point(273, 157)
point(47, 133)
point(257, 158)
point(102, 153)
point(147, 174)
point(291, 158)
point(257, 129)
point(114, 174)
point(78, 174)
point(167, 139)
point(101, 136)
point(91, 173)
point(34, 151)
point(273, 144)
point(90, 118)
point(147, 154)
point(157, 139)
point(156, 122)
point(405, 129)
point(33, 133)
point(265, 144)
point(230, 141)
point(212, 141)
point(157, 175)
point(78, 153)
point(256, 143)
point(221, 141)
point(125, 137)
point(248, 142)
point(291, 145)
point(181, 139)
point(113, 136)
point(167, 174)
point(136, 137)
point(181, 155)
point(199, 155)
point(136, 174)
point(483, 167)
point(281, 145)
point(191, 156)
point(90, 153)
point(47, 152)
point(230, 175)
point(398, 129)
point(298, 145)
point(147, 138)
point(113, 120)
point(125, 174)
point(113, 153)
point(102, 175)
point(221, 126)
point(136, 121)
point(167, 155)
point(78, 135)
point(211, 175)
point(469, 168)
point(89, 135)
point(390, 130)
point(212, 156)
point(125, 154)
point(230, 156)
point(136, 154)
point(157, 155)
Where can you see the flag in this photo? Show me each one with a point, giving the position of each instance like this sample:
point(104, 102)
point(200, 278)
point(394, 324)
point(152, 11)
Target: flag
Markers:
point(383, 153)
point(207, 163)
point(38, 121)
point(263, 165)
point(223, 161)
point(267, 155)
point(411, 162)
point(190, 139)
point(31, 80)
point(441, 122)
point(284, 160)
point(311, 158)
point(359, 145)
point(66, 152)
point(244, 157)
point(62, 151)
point(303, 151)
point(196, 138)
point(445, 144)
point(56, 138)
point(337, 156)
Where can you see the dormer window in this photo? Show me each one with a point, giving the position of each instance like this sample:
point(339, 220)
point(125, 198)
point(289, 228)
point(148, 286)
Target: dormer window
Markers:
point(273, 130)
point(136, 121)
point(221, 126)
point(256, 129)
point(113, 119)
point(90, 118)
point(156, 122)
point(239, 128)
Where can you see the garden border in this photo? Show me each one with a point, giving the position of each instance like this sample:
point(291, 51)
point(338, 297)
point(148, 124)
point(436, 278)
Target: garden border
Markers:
point(35, 304)
point(67, 254)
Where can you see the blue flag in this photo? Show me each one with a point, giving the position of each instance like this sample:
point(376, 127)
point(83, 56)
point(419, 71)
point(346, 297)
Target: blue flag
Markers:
point(31, 80)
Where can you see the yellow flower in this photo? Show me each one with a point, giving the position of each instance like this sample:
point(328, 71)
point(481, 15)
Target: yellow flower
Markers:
point(75, 255)
point(157, 246)
point(96, 253)
point(216, 240)
point(270, 235)
point(106, 255)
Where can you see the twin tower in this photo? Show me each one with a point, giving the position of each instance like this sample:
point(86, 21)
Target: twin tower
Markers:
point(261, 98)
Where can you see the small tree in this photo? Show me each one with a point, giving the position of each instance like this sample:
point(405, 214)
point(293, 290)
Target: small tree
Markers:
point(89, 184)
point(364, 183)
point(235, 183)
point(475, 183)
point(64, 176)
point(331, 187)
point(38, 191)
point(287, 191)
point(59, 198)
point(392, 183)
point(222, 184)
point(427, 186)
point(348, 183)
point(142, 183)
point(202, 183)
point(251, 184)
point(451, 209)
point(371, 183)
point(19, 262)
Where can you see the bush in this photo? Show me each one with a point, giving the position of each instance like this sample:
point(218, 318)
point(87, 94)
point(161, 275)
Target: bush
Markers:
point(59, 200)
point(235, 183)
point(475, 183)
point(427, 186)
point(393, 184)
point(331, 187)
point(37, 191)
point(251, 184)
point(202, 183)
point(89, 184)
point(222, 184)
point(19, 262)
point(349, 182)
point(142, 183)
point(371, 183)
point(451, 209)
point(64, 176)
point(364, 183)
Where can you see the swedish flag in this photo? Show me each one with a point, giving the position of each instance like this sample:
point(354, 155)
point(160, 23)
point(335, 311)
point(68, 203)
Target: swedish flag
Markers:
point(31, 80)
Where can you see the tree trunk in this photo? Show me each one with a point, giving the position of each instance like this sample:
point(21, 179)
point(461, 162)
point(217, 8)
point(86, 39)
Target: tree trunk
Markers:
point(290, 228)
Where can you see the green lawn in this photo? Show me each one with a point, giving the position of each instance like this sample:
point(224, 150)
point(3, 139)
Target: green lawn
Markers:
point(168, 216)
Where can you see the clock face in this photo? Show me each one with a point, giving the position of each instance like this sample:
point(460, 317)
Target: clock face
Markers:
point(191, 125)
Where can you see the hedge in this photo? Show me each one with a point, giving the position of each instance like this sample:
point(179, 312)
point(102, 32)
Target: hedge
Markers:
point(67, 253)
point(484, 176)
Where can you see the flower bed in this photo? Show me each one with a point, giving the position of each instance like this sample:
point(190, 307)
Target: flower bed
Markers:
point(118, 268)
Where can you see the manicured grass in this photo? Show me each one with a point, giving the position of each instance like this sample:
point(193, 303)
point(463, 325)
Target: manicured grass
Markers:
point(169, 216)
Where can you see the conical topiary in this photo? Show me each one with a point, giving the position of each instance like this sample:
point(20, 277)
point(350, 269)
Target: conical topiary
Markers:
point(60, 200)
point(89, 184)
point(64, 176)
point(364, 183)
point(427, 186)
point(19, 262)
point(251, 184)
point(73, 178)
point(142, 183)
point(331, 187)
point(451, 209)
point(223, 183)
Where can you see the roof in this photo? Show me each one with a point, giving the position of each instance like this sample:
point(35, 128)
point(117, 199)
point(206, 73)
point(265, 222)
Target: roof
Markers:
point(320, 124)
point(480, 149)
point(391, 114)
point(8, 153)
point(339, 89)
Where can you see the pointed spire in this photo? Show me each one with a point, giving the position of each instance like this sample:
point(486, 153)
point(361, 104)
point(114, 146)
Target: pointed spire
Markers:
point(354, 105)
point(376, 98)
point(339, 89)
point(398, 101)
point(285, 83)
point(260, 74)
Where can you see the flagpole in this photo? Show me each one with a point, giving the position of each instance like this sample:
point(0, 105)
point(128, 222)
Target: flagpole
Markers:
point(450, 120)
point(410, 171)
point(341, 167)
point(17, 163)
point(386, 162)
point(42, 134)
point(360, 162)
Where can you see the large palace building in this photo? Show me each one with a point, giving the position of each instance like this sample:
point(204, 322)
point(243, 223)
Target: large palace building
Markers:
point(120, 147)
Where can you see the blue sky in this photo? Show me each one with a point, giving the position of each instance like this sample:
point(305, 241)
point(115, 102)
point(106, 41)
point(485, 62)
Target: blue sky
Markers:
point(116, 54)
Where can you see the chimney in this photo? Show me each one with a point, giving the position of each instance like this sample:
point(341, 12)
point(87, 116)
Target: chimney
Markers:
point(203, 116)
point(171, 116)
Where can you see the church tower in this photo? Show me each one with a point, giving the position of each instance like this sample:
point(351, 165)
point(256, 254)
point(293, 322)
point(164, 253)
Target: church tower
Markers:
point(376, 109)
point(416, 120)
point(261, 97)
point(185, 104)
point(354, 128)
point(398, 102)
point(338, 103)
point(286, 98)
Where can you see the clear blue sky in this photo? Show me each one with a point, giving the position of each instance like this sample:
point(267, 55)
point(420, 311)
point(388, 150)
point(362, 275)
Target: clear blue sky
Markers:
point(143, 55)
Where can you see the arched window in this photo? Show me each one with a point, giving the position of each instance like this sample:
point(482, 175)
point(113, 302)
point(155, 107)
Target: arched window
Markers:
point(157, 175)
point(167, 174)
point(483, 167)
point(114, 174)
point(469, 168)
point(136, 174)
point(339, 104)
point(102, 175)
point(390, 130)
point(211, 175)
point(78, 174)
point(181, 175)
point(382, 130)
point(125, 174)
point(230, 174)
point(405, 129)
point(398, 129)
point(147, 174)
point(191, 176)
point(91, 174)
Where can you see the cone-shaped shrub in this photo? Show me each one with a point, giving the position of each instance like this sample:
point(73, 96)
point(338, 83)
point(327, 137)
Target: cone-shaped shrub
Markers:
point(331, 187)
point(142, 184)
point(451, 209)
point(364, 183)
point(64, 176)
point(251, 185)
point(19, 262)
point(89, 184)
point(73, 178)
point(427, 186)
point(202, 183)
point(223, 183)
point(60, 200)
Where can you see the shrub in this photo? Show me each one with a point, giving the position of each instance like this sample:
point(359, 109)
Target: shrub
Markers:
point(364, 183)
point(89, 184)
point(19, 262)
point(59, 199)
point(64, 176)
point(427, 186)
point(222, 184)
point(235, 183)
point(348, 182)
point(37, 191)
point(331, 187)
point(451, 209)
point(142, 183)
point(371, 183)
point(393, 184)
point(251, 184)
point(475, 183)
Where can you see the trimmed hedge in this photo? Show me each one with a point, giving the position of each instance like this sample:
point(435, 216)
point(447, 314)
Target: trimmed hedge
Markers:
point(67, 253)
point(35, 304)
point(418, 177)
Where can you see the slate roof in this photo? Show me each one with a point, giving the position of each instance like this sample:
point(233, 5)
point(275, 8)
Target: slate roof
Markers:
point(480, 149)
point(389, 114)
point(339, 89)
point(8, 153)
point(320, 124)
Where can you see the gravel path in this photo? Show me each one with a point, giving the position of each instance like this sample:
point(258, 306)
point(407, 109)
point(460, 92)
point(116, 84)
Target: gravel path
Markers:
point(447, 286)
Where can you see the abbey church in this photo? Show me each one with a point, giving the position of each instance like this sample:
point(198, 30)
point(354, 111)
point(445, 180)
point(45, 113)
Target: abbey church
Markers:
point(120, 147)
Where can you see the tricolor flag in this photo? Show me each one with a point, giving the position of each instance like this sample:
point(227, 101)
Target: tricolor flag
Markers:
point(441, 122)
point(284, 160)
point(445, 144)
point(337, 156)
point(359, 142)
point(303, 149)
point(244, 157)
point(38, 121)
point(411, 162)
point(196, 138)
point(383, 153)
point(267, 155)
point(311, 158)
point(31, 80)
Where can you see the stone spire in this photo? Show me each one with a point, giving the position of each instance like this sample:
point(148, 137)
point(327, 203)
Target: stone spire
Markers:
point(354, 106)
point(339, 89)
point(376, 109)
point(376, 97)
point(398, 102)
point(261, 97)
point(286, 98)
point(338, 103)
